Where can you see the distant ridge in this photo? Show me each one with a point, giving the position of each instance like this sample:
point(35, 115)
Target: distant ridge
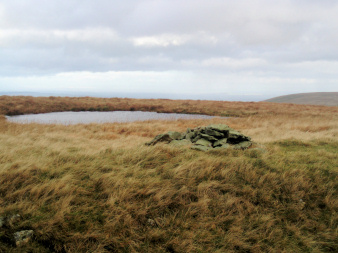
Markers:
point(313, 98)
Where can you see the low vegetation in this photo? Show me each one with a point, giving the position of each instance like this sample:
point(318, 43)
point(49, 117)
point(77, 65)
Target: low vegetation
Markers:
point(312, 98)
point(98, 188)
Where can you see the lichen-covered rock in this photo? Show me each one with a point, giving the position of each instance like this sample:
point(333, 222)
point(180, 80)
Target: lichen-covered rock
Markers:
point(167, 138)
point(206, 138)
point(22, 237)
point(220, 142)
point(212, 132)
point(190, 136)
point(204, 142)
point(224, 146)
point(219, 128)
point(235, 137)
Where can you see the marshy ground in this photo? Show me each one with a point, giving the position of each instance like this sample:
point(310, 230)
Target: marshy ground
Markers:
point(98, 188)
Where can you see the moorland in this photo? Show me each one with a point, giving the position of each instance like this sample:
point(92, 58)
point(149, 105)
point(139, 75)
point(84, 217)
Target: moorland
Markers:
point(311, 98)
point(98, 188)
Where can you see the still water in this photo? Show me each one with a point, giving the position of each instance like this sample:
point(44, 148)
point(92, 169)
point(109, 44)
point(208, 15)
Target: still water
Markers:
point(71, 118)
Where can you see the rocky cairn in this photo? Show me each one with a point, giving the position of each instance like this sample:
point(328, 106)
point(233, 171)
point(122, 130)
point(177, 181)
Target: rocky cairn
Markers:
point(206, 138)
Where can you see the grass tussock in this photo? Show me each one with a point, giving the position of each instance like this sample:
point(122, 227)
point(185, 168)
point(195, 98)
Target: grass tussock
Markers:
point(98, 188)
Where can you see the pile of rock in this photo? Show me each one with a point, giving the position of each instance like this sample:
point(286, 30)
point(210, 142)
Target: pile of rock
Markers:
point(206, 138)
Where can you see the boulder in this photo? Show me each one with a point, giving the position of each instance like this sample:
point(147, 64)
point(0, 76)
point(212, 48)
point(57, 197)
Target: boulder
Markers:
point(224, 146)
point(204, 142)
point(208, 137)
point(235, 137)
point(219, 128)
point(220, 142)
point(212, 132)
point(167, 138)
point(22, 237)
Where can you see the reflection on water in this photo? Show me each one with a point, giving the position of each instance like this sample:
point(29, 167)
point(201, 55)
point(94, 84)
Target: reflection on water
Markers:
point(70, 118)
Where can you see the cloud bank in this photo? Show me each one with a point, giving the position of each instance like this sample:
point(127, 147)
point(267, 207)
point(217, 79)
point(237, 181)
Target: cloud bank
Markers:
point(169, 46)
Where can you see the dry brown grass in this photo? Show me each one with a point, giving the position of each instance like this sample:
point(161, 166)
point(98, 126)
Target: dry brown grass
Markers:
point(98, 188)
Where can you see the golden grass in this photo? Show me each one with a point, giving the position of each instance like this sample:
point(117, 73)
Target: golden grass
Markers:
point(98, 188)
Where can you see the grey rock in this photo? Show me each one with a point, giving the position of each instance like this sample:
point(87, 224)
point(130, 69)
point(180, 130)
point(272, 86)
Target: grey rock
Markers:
point(224, 146)
point(214, 133)
point(190, 136)
point(204, 142)
point(236, 137)
point(220, 142)
point(151, 222)
point(198, 137)
point(23, 237)
point(219, 128)
point(167, 138)
point(208, 137)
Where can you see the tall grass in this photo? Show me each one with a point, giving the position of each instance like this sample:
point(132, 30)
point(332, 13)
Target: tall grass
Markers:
point(98, 188)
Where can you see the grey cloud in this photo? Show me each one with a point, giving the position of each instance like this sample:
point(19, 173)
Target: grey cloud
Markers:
point(268, 38)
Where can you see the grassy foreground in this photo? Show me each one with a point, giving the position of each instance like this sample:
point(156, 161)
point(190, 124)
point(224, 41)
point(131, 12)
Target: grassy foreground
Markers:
point(98, 188)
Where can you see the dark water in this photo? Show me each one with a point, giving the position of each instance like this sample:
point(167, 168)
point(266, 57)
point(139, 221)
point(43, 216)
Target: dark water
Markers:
point(71, 118)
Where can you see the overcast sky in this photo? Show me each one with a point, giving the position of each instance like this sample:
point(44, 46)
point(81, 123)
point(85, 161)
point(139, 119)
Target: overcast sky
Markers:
point(175, 48)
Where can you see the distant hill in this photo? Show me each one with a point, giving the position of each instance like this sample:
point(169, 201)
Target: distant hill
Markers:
point(314, 98)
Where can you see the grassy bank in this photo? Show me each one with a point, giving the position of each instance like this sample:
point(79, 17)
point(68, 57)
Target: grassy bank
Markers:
point(98, 188)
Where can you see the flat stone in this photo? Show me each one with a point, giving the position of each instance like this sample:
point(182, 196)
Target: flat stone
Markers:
point(214, 133)
point(167, 138)
point(208, 137)
point(204, 142)
point(220, 128)
point(220, 142)
point(23, 237)
point(201, 148)
point(224, 146)
point(190, 136)
point(236, 137)
point(198, 137)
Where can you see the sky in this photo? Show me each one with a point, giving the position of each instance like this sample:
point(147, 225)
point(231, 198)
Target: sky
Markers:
point(194, 49)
